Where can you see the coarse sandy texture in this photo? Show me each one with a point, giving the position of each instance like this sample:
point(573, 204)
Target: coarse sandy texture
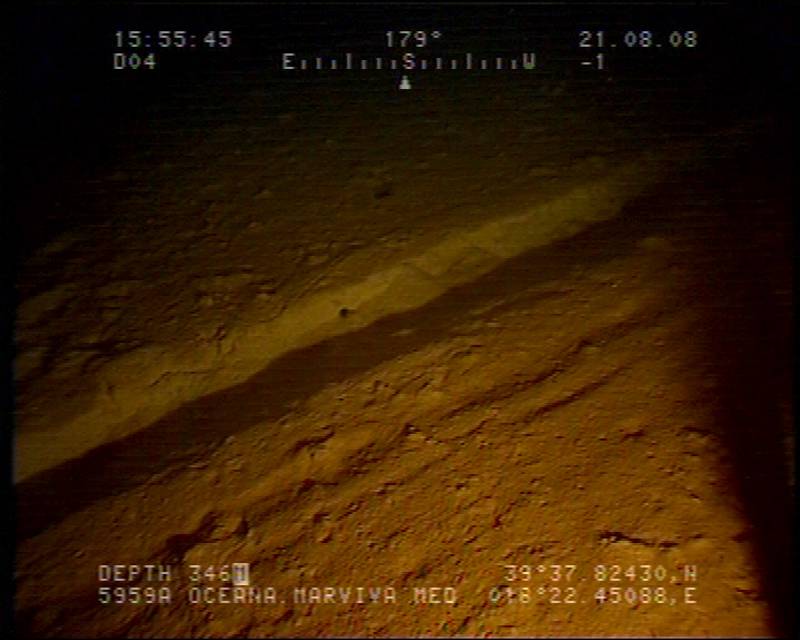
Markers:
point(554, 430)
point(368, 338)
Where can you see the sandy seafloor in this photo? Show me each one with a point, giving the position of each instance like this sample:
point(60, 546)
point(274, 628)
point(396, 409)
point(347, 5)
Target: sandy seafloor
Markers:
point(527, 363)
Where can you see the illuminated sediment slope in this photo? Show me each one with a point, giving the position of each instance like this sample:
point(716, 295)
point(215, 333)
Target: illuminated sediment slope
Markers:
point(150, 382)
point(127, 390)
